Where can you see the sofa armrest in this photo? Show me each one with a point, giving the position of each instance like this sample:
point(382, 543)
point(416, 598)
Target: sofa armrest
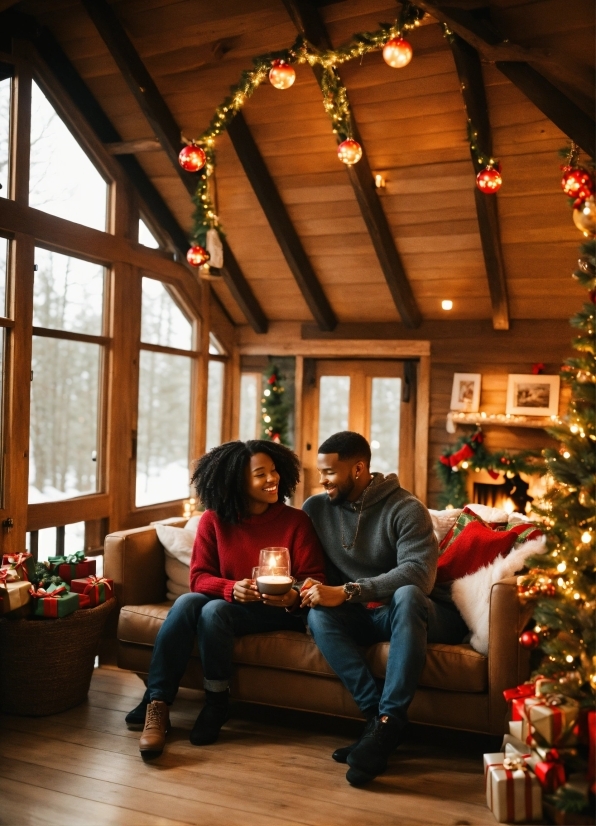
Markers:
point(135, 560)
point(508, 662)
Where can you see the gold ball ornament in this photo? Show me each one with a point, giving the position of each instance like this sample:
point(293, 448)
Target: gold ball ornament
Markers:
point(584, 217)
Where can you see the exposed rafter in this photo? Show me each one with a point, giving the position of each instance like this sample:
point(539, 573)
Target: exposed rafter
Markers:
point(308, 22)
point(277, 215)
point(167, 132)
point(523, 68)
point(469, 71)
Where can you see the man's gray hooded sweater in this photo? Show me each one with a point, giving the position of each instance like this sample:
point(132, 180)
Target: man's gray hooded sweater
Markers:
point(395, 544)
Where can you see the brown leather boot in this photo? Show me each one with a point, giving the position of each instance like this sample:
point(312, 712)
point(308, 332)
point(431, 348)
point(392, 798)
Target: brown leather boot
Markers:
point(153, 738)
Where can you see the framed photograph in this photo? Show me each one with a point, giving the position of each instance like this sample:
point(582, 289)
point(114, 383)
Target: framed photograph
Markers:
point(531, 395)
point(465, 395)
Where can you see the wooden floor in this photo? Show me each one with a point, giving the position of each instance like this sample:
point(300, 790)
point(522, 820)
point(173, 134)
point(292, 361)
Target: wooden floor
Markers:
point(270, 768)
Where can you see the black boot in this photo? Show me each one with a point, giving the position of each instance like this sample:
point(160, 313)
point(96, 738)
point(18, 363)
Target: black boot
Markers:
point(135, 719)
point(370, 756)
point(341, 755)
point(212, 717)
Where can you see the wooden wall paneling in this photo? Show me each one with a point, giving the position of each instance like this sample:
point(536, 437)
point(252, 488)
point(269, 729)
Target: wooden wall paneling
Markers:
point(279, 220)
point(422, 419)
point(123, 375)
point(21, 133)
point(18, 390)
point(201, 378)
point(299, 425)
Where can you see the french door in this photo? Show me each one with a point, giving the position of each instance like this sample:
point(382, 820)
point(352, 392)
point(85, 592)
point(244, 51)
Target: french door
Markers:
point(373, 397)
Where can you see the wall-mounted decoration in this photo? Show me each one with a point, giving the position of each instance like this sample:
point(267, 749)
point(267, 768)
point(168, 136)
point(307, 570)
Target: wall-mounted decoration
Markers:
point(532, 395)
point(465, 395)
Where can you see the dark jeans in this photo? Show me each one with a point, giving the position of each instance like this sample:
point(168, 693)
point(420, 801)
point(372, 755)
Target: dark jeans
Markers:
point(408, 623)
point(215, 623)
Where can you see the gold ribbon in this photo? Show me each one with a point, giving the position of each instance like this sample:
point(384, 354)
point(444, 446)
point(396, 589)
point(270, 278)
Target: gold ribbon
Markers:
point(515, 763)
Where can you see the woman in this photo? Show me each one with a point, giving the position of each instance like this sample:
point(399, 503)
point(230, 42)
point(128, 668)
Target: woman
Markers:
point(242, 486)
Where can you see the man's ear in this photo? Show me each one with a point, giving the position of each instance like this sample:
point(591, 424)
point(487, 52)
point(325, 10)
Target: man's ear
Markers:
point(359, 468)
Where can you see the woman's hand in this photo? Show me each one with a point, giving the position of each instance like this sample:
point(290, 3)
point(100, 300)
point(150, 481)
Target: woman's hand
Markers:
point(246, 591)
point(329, 596)
point(283, 600)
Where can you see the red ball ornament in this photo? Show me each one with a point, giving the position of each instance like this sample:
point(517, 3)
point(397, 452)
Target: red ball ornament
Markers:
point(197, 256)
point(577, 182)
point(192, 158)
point(281, 74)
point(529, 639)
point(397, 52)
point(489, 180)
point(349, 151)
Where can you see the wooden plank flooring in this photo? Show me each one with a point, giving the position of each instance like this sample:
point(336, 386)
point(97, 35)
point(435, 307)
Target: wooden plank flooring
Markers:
point(270, 768)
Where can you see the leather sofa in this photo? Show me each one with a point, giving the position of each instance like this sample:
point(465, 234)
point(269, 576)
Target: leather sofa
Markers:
point(459, 688)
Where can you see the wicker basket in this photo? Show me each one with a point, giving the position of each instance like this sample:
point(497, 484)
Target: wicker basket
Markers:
point(46, 665)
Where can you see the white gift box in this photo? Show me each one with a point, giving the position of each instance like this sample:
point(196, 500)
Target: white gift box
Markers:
point(513, 794)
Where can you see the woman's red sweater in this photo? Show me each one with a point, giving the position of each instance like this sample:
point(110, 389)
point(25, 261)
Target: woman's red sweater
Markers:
point(225, 553)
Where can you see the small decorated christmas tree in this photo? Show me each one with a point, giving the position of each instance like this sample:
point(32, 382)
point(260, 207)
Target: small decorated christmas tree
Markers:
point(274, 408)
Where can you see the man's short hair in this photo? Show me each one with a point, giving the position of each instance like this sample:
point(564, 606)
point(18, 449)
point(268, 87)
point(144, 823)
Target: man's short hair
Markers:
point(347, 445)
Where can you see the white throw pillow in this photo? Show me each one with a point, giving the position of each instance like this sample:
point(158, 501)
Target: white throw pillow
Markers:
point(471, 594)
point(178, 543)
point(443, 521)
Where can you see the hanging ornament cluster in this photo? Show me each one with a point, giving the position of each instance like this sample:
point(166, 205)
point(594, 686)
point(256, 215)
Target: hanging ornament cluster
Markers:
point(577, 183)
point(275, 409)
point(278, 68)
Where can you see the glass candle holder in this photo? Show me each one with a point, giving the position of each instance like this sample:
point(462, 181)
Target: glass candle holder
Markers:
point(278, 558)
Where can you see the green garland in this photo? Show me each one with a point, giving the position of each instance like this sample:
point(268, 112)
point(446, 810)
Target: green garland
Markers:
point(274, 408)
point(469, 454)
point(335, 98)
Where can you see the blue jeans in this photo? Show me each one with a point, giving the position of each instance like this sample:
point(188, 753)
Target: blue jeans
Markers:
point(408, 623)
point(215, 623)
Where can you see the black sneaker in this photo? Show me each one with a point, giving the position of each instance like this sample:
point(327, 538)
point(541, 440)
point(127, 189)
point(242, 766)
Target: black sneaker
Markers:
point(370, 756)
point(212, 717)
point(341, 755)
point(135, 719)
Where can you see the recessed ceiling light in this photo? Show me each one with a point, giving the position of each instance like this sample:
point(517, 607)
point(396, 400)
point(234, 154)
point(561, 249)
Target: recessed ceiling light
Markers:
point(447, 304)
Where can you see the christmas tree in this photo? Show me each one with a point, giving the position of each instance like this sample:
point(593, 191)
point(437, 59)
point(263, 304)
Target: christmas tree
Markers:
point(274, 408)
point(565, 613)
point(562, 580)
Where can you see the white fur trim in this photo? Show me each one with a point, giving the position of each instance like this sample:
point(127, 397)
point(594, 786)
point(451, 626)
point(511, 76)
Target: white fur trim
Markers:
point(471, 594)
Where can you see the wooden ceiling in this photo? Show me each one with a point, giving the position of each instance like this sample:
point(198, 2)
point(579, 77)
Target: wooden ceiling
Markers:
point(413, 127)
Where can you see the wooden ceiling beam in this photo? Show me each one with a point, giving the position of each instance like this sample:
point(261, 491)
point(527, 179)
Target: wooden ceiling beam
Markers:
point(166, 130)
point(279, 220)
point(307, 20)
point(521, 66)
point(469, 70)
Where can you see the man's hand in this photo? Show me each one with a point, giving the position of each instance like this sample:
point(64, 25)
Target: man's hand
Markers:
point(328, 596)
point(282, 600)
point(246, 591)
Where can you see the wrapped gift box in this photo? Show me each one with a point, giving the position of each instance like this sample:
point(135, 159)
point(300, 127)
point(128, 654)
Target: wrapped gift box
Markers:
point(57, 601)
point(23, 563)
point(84, 602)
point(552, 720)
point(13, 595)
point(513, 793)
point(520, 729)
point(73, 566)
point(98, 589)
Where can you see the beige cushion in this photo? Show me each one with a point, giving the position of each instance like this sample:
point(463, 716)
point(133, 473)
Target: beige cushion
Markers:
point(448, 667)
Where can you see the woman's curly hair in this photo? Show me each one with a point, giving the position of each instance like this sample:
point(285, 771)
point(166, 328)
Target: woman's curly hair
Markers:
point(219, 476)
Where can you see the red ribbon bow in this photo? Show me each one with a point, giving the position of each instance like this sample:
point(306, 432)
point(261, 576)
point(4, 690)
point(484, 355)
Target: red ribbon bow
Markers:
point(41, 593)
point(524, 690)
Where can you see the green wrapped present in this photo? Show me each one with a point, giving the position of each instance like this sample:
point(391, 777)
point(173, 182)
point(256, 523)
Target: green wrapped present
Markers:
point(57, 601)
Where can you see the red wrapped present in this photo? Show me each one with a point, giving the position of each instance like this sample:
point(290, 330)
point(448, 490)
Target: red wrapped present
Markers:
point(592, 751)
point(72, 567)
point(23, 564)
point(84, 602)
point(548, 768)
point(57, 601)
point(98, 589)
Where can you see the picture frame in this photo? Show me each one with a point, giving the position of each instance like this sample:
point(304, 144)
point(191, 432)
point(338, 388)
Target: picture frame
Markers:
point(465, 393)
point(530, 395)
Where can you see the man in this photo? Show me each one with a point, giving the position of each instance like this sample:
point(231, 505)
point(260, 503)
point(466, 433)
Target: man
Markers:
point(382, 559)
